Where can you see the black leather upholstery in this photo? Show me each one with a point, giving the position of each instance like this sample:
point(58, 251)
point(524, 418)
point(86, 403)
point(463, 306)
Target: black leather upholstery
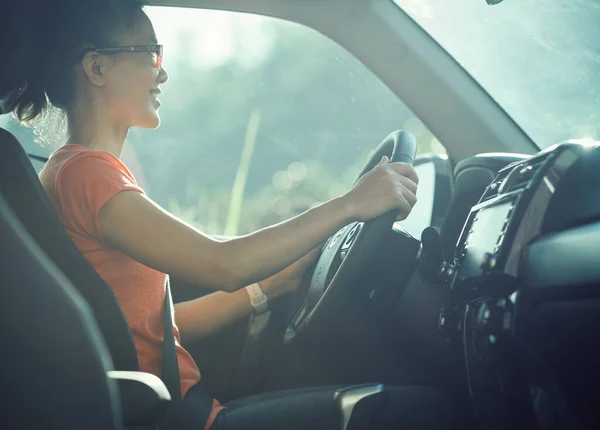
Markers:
point(359, 404)
point(23, 192)
point(16, 41)
point(55, 370)
point(54, 356)
point(54, 362)
point(144, 397)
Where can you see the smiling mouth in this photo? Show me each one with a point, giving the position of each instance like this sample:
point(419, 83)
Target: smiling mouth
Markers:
point(154, 98)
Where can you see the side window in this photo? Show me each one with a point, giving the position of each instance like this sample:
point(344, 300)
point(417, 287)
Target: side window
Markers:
point(28, 139)
point(261, 119)
point(421, 215)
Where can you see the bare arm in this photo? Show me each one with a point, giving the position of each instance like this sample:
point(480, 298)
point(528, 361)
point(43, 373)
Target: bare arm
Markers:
point(199, 318)
point(207, 315)
point(141, 229)
point(147, 233)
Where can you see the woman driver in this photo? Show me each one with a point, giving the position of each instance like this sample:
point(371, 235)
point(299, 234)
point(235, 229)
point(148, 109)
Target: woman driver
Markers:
point(99, 62)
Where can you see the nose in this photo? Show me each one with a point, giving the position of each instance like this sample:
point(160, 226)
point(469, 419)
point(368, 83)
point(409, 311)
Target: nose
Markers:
point(163, 76)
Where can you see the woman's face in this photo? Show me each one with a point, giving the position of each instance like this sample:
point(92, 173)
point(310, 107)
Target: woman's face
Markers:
point(132, 85)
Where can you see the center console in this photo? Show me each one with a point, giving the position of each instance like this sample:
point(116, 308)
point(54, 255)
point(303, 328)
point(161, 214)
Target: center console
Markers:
point(510, 386)
point(510, 213)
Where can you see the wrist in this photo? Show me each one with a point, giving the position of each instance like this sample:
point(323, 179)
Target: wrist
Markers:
point(344, 208)
point(269, 288)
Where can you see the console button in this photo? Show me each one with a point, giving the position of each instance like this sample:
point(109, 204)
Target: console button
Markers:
point(495, 316)
point(489, 261)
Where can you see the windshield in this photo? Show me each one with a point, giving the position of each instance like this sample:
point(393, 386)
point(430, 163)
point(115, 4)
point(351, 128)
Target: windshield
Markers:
point(539, 59)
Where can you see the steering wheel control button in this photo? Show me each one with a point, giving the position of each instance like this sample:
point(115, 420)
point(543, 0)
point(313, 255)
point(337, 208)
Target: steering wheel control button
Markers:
point(351, 236)
point(336, 237)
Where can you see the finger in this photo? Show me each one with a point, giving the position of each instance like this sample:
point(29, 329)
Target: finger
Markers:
point(384, 160)
point(407, 170)
point(402, 216)
point(403, 205)
point(410, 197)
point(411, 173)
point(408, 183)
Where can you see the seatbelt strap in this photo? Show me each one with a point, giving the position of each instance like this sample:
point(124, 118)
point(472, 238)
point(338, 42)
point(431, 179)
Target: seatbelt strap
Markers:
point(248, 377)
point(170, 367)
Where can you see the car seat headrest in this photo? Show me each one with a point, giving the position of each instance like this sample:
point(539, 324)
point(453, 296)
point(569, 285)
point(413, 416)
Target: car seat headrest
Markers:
point(16, 43)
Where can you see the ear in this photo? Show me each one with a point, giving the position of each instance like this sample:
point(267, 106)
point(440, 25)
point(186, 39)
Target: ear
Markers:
point(96, 67)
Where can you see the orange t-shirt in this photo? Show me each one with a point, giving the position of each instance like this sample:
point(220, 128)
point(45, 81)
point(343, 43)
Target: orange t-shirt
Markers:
point(79, 181)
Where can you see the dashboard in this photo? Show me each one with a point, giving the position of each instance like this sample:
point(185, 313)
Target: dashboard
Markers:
point(519, 253)
point(510, 213)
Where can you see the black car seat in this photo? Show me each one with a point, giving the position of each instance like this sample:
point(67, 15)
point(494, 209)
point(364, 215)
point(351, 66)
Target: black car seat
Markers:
point(16, 41)
point(24, 193)
point(41, 317)
point(143, 397)
point(55, 370)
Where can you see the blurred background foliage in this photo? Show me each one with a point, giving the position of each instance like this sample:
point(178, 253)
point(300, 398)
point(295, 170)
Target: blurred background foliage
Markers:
point(281, 119)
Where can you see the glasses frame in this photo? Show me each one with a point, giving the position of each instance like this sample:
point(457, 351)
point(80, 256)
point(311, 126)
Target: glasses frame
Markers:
point(157, 49)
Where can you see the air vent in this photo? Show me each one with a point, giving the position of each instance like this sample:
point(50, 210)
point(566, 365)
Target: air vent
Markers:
point(492, 190)
point(514, 177)
point(522, 175)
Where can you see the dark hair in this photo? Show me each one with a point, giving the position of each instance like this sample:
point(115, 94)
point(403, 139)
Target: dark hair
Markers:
point(64, 28)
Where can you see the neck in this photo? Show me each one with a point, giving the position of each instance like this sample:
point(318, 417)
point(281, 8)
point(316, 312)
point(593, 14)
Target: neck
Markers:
point(91, 127)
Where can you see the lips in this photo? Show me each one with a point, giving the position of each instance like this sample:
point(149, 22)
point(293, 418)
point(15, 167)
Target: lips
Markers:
point(154, 94)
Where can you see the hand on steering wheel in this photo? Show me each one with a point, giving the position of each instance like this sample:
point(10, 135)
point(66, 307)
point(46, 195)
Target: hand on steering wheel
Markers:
point(392, 185)
point(346, 253)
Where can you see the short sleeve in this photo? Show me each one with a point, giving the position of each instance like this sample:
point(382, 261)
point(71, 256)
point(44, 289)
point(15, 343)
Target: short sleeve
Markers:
point(87, 182)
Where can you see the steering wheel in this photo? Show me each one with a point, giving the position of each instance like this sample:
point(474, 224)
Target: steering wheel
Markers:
point(348, 252)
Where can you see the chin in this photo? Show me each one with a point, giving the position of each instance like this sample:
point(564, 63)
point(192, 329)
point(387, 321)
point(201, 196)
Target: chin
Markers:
point(151, 120)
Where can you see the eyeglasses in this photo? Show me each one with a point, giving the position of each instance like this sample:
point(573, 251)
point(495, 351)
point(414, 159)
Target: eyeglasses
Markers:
point(155, 50)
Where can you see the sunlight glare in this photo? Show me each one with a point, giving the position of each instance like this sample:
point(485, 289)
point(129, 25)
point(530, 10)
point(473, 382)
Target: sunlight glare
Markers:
point(211, 37)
